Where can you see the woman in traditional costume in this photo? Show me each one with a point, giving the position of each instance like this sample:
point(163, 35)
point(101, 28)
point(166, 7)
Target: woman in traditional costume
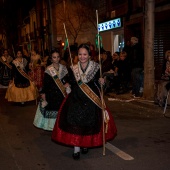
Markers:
point(5, 68)
point(36, 69)
point(21, 87)
point(55, 89)
point(79, 122)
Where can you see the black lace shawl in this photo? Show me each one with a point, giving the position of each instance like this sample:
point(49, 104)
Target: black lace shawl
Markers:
point(54, 96)
point(79, 115)
point(19, 80)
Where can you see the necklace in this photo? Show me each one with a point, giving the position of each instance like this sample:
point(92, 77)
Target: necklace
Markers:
point(56, 68)
point(83, 74)
point(84, 70)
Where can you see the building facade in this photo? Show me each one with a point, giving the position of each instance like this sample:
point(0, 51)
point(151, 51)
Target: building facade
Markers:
point(132, 13)
point(45, 27)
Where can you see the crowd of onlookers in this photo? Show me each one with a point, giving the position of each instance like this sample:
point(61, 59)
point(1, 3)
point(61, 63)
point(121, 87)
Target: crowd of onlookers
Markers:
point(123, 71)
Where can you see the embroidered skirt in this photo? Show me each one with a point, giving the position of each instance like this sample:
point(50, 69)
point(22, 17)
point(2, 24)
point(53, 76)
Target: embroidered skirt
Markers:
point(44, 119)
point(37, 75)
point(15, 94)
point(71, 139)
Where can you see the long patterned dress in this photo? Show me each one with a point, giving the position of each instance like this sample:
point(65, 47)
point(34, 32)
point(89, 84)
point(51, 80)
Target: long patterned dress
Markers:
point(5, 70)
point(79, 121)
point(22, 89)
point(36, 70)
point(47, 110)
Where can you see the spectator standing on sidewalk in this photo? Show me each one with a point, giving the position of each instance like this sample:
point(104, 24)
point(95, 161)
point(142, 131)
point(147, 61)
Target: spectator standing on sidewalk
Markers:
point(137, 66)
point(106, 60)
point(127, 48)
point(166, 67)
point(123, 67)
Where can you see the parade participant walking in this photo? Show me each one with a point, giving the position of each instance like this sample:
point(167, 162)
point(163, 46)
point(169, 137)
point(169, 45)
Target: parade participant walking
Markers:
point(21, 88)
point(37, 69)
point(79, 121)
point(5, 68)
point(55, 88)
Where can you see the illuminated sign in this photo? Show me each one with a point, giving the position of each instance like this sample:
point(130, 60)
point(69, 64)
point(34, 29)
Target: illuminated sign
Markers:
point(116, 23)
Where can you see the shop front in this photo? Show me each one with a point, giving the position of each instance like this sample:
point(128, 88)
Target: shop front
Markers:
point(112, 33)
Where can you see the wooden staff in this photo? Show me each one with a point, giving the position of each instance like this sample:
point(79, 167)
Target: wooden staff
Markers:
point(13, 51)
point(29, 39)
point(68, 44)
point(101, 87)
point(103, 113)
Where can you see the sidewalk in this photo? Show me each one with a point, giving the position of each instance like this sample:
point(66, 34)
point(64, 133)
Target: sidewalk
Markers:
point(126, 97)
point(138, 107)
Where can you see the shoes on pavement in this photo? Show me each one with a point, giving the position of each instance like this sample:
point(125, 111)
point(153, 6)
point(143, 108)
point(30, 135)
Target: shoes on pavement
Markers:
point(76, 156)
point(84, 150)
point(22, 104)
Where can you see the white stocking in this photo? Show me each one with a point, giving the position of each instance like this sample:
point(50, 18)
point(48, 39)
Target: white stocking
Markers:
point(76, 149)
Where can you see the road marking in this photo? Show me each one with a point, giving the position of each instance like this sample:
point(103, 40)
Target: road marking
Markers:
point(118, 152)
point(120, 100)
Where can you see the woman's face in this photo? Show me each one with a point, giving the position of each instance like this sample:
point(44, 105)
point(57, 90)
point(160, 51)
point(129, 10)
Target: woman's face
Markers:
point(104, 56)
point(83, 55)
point(5, 53)
point(33, 53)
point(19, 54)
point(122, 56)
point(55, 58)
point(115, 56)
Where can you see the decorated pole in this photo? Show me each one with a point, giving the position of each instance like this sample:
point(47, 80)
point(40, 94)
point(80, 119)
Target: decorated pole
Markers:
point(13, 51)
point(99, 43)
point(66, 45)
point(29, 44)
point(83, 86)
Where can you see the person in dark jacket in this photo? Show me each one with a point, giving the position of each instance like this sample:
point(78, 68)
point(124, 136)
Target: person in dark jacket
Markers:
point(111, 76)
point(137, 66)
point(123, 68)
point(106, 61)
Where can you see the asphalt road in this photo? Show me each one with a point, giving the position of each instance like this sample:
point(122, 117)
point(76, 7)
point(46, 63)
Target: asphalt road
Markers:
point(142, 142)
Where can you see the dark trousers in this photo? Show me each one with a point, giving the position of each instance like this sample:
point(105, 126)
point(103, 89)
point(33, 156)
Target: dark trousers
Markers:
point(137, 80)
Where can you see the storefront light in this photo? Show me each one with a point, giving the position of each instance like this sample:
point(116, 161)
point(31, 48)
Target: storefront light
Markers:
point(112, 24)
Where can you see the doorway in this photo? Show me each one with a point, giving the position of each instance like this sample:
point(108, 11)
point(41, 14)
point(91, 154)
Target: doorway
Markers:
point(118, 40)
